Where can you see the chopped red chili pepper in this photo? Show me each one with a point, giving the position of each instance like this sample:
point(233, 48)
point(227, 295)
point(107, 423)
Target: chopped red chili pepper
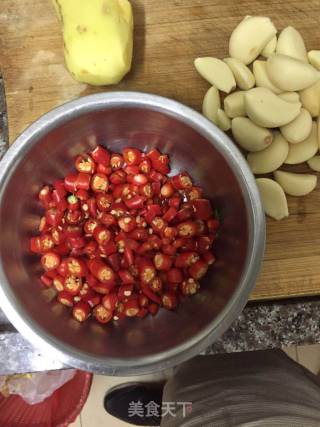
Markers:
point(81, 311)
point(167, 190)
point(63, 249)
point(102, 234)
point(101, 155)
point(45, 196)
point(107, 219)
point(58, 283)
point(160, 162)
point(72, 284)
point(101, 271)
point(186, 259)
point(104, 202)
point(139, 234)
point(175, 202)
point(204, 244)
point(202, 209)
point(198, 269)
point(101, 314)
point(92, 207)
point(182, 181)
point(60, 188)
point(50, 261)
point(175, 275)
point(99, 183)
point(162, 261)
point(46, 243)
point(73, 202)
point(143, 300)
point(54, 217)
point(65, 298)
point(110, 301)
point(90, 225)
point(158, 224)
point(127, 223)
point(169, 301)
point(35, 245)
point(194, 193)
point(156, 285)
point(125, 291)
point(76, 266)
point(145, 166)
point(126, 277)
point(104, 288)
point(116, 161)
point(187, 229)
point(84, 163)
point(128, 255)
point(150, 294)
point(189, 287)
point(170, 214)
point(135, 202)
point(156, 177)
point(70, 183)
point(114, 259)
point(131, 308)
point(106, 170)
point(46, 280)
point(132, 156)
point(118, 177)
point(119, 256)
point(169, 250)
point(73, 217)
point(118, 209)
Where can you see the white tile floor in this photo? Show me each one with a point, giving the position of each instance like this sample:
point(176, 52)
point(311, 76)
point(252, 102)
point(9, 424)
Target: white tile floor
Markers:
point(94, 415)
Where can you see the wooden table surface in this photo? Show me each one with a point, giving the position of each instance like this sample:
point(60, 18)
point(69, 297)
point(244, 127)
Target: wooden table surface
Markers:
point(168, 36)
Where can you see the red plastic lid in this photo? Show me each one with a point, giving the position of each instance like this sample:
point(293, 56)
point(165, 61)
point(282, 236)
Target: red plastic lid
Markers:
point(58, 410)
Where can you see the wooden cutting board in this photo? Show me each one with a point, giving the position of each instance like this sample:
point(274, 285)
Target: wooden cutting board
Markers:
point(168, 36)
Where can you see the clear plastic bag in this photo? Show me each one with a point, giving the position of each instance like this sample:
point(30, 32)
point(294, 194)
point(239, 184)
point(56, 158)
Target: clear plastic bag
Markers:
point(34, 388)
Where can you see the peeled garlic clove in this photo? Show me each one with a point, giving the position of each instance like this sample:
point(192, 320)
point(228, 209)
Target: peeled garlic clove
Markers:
point(234, 105)
point(290, 96)
point(223, 120)
point(270, 47)
point(211, 104)
point(290, 42)
point(271, 158)
point(296, 184)
point(250, 37)
point(273, 198)
point(314, 58)
point(216, 72)
point(290, 74)
point(250, 136)
point(268, 110)
point(262, 78)
point(299, 129)
point(310, 99)
point(305, 150)
point(242, 74)
point(314, 163)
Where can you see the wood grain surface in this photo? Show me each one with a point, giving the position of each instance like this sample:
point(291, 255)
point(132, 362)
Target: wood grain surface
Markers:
point(168, 36)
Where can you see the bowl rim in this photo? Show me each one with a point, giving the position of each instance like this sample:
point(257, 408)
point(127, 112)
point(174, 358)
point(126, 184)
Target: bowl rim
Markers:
point(55, 348)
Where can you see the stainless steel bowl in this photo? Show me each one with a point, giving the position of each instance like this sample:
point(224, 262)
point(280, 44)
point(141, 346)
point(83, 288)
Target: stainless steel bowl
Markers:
point(45, 151)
